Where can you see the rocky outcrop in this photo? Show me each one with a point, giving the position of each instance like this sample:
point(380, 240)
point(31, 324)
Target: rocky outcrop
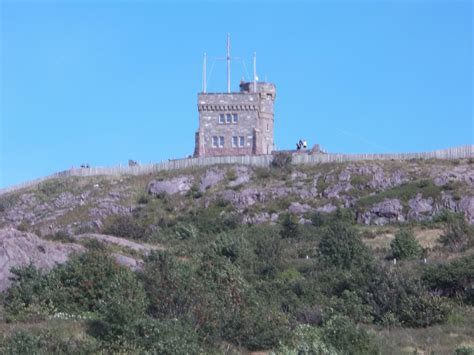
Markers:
point(420, 208)
point(211, 178)
point(387, 211)
point(463, 174)
point(19, 249)
point(178, 185)
point(298, 208)
point(328, 208)
point(466, 205)
point(243, 198)
point(110, 239)
point(259, 218)
point(243, 176)
point(335, 190)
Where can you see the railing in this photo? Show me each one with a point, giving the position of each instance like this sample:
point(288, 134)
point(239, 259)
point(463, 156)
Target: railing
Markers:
point(300, 157)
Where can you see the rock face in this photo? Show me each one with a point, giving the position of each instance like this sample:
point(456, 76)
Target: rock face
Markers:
point(178, 185)
point(389, 210)
point(298, 208)
point(420, 208)
point(243, 176)
point(110, 239)
point(467, 206)
point(211, 178)
point(20, 249)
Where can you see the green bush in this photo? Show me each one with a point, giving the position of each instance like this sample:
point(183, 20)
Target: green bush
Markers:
point(289, 226)
point(346, 337)
point(401, 298)
point(169, 286)
point(464, 350)
point(307, 340)
point(21, 342)
point(341, 247)
point(454, 279)
point(27, 298)
point(168, 337)
point(405, 245)
point(76, 287)
point(124, 226)
point(458, 235)
point(121, 308)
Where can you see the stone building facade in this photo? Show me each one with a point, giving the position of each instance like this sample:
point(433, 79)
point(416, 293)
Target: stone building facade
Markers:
point(239, 123)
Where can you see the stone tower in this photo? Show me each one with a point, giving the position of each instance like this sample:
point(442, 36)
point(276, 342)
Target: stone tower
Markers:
point(236, 123)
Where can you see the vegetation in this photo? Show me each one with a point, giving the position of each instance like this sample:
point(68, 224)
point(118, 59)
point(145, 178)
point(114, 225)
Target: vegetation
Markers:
point(405, 245)
point(223, 286)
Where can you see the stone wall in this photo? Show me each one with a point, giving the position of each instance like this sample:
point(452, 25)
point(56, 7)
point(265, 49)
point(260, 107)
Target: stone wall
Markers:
point(255, 121)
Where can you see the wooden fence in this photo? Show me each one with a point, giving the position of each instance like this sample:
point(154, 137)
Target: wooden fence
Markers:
point(300, 157)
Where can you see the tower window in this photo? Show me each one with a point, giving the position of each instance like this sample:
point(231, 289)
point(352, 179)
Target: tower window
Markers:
point(221, 141)
point(215, 142)
point(235, 118)
point(228, 118)
point(235, 141)
point(221, 118)
point(241, 141)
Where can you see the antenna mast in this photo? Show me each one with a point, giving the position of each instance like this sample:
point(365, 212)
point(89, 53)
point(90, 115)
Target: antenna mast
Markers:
point(204, 74)
point(254, 71)
point(228, 63)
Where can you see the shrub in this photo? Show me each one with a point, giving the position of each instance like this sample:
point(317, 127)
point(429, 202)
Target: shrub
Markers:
point(257, 326)
point(341, 247)
point(464, 350)
point(169, 286)
point(455, 279)
point(289, 226)
point(458, 235)
point(168, 337)
point(231, 174)
point(397, 297)
point(405, 245)
point(124, 226)
point(121, 308)
point(423, 311)
point(306, 340)
point(282, 161)
point(27, 297)
point(143, 199)
point(346, 337)
point(60, 236)
point(21, 342)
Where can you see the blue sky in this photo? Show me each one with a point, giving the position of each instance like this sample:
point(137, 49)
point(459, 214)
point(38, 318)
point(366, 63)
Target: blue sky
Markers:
point(105, 81)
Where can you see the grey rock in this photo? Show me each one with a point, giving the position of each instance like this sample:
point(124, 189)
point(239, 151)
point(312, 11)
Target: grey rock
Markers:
point(466, 205)
point(334, 191)
point(244, 174)
point(211, 178)
point(345, 176)
point(243, 198)
point(389, 210)
point(177, 185)
point(462, 173)
point(328, 208)
point(110, 239)
point(127, 261)
point(19, 249)
point(297, 175)
point(398, 177)
point(420, 208)
point(298, 208)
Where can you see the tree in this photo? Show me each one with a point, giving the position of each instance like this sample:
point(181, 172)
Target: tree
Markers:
point(405, 245)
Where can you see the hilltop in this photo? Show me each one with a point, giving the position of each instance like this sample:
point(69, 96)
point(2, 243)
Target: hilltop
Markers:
point(309, 239)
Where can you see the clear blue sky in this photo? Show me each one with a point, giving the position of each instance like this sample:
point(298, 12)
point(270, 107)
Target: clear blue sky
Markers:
point(105, 81)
